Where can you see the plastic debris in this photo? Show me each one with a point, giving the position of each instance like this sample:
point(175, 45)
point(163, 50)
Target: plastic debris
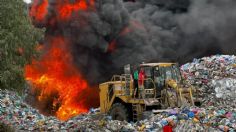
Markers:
point(214, 84)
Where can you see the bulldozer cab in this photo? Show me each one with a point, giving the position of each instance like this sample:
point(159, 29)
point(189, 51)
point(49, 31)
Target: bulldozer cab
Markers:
point(156, 75)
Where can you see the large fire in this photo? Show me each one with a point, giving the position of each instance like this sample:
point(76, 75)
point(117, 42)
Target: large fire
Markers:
point(54, 75)
point(64, 9)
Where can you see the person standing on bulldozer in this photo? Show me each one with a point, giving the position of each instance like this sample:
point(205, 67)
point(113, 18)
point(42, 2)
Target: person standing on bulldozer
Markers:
point(141, 78)
point(135, 74)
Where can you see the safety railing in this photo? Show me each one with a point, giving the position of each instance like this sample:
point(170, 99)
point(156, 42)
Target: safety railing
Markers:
point(128, 81)
point(116, 78)
point(125, 81)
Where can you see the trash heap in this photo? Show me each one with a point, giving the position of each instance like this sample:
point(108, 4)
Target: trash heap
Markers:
point(15, 113)
point(225, 88)
point(213, 78)
point(21, 117)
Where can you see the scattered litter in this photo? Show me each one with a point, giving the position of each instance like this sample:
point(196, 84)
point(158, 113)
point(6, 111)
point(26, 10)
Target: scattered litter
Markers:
point(214, 81)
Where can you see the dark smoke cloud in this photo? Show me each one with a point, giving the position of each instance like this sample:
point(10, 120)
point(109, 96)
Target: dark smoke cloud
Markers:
point(134, 31)
point(206, 28)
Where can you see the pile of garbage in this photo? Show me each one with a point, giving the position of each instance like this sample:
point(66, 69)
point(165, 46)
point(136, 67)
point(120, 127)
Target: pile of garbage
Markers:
point(213, 77)
point(202, 70)
point(15, 113)
point(20, 116)
point(194, 119)
point(225, 88)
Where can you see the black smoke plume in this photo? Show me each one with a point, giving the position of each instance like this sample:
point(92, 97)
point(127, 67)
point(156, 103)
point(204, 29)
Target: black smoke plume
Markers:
point(133, 31)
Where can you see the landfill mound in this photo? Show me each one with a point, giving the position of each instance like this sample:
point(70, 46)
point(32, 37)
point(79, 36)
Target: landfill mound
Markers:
point(214, 81)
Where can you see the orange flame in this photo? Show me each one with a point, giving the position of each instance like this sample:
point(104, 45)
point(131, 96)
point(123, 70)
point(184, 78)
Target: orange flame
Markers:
point(112, 46)
point(39, 10)
point(55, 73)
point(66, 9)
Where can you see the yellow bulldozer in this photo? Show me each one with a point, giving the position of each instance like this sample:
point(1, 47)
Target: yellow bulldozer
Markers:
point(163, 88)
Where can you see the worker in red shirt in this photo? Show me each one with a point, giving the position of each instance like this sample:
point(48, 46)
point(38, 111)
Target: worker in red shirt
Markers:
point(141, 78)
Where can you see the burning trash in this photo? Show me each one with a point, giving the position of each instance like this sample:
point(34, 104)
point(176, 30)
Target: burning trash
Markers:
point(20, 116)
point(87, 41)
point(59, 82)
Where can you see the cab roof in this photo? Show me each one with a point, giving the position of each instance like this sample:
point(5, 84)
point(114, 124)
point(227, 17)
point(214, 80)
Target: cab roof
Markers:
point(157, 64)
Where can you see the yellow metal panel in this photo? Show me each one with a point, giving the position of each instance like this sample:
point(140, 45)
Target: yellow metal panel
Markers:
point(103, 97)
point(118, 92)
point(129, 99)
